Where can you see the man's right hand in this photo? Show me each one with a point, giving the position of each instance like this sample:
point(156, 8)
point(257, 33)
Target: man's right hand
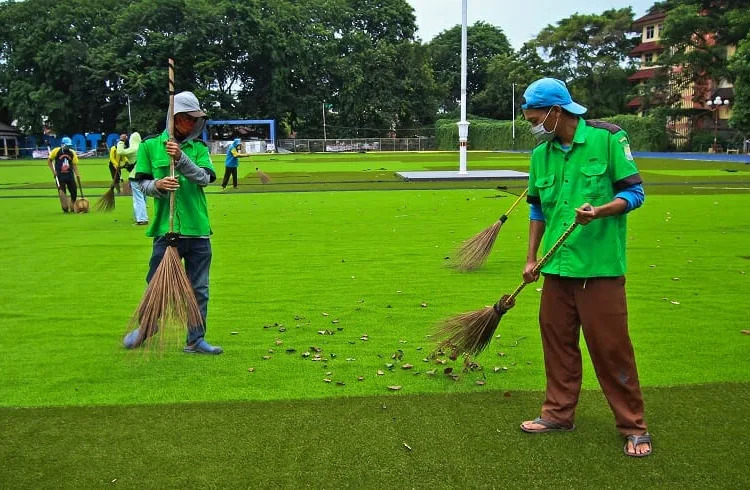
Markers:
point(528, 272)
point(167, 184)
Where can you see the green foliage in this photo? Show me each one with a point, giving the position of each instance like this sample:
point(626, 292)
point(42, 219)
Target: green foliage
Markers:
point(484, 43)
point(696, 35)
point(740, 66)
point(485, 134)
point(78, 63)
point(589, 52)
point(646, 133)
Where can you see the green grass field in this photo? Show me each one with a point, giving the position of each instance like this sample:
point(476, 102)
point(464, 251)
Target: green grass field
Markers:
point(297, 271)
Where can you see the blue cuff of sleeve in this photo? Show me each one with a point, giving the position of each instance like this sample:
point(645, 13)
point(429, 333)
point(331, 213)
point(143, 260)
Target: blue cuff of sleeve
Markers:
point(633, 196)
point(535, 213)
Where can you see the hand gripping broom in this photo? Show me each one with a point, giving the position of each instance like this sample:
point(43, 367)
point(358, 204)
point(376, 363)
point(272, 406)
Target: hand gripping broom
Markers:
point(474, 251)
point(169, 301)
point(469, 333)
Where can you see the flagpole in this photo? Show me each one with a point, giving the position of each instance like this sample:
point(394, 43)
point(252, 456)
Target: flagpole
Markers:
point(463, 125)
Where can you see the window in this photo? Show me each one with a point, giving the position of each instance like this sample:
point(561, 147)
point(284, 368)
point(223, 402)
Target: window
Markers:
point(648, 58)
point(650, 32)
point(661, 29)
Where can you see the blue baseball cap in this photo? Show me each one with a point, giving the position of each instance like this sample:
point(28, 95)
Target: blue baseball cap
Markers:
point(67, 141)
point(548, 92)
point(237, 141)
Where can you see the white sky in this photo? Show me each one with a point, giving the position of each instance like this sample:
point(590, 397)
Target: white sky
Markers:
point(520, 20)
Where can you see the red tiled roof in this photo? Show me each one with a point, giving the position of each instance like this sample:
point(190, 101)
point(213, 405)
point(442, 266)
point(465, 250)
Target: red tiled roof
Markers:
point(642, 74)
point(635, 102)
point(646, 47)
point(651, 18)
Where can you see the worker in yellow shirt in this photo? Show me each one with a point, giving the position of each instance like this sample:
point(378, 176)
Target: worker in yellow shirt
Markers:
point(116, 162)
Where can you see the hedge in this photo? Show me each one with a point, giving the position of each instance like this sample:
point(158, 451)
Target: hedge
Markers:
point(646, 133)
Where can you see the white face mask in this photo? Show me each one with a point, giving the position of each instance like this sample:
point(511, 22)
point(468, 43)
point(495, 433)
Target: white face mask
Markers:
point(540, 133)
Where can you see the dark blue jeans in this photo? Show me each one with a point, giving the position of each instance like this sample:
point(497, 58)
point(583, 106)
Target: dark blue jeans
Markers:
point(196, 252)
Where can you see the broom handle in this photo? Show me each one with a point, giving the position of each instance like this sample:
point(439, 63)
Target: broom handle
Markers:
point(543, 261)
point(504, 217)
point(78, 178)
point(170, 130)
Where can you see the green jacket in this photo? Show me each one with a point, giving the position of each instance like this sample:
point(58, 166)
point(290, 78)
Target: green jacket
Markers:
point(596, 167)
point(191, 209)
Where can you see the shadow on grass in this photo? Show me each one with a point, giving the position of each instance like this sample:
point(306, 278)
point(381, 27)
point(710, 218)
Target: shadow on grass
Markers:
point(701, 440)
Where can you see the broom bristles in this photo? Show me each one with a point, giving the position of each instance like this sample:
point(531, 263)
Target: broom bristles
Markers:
point(264, 177)
point(472, 254)
point(469, 333)
point(65, 202)
point(106, 203)
point(169, 303)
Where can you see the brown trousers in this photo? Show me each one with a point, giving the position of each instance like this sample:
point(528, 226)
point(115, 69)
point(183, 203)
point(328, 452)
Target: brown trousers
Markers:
point(599, 306)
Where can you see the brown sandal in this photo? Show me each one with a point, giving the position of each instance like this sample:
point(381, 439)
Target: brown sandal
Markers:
point(549, 426)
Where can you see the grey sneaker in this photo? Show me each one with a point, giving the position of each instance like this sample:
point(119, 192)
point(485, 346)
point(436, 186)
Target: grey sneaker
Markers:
point(202, 347)
point(131, 340)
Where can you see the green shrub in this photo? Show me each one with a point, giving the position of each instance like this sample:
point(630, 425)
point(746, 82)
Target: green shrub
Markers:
point(646, 133)
point(485, 134)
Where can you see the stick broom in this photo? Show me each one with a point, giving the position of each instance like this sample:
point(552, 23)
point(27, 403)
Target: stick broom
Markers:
point(169, 301)
point(474, 252)
point(469, 333)
point(106, 203)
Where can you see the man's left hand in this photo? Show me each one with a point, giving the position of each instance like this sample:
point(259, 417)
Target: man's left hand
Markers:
point(585, 214)
point(173, 150)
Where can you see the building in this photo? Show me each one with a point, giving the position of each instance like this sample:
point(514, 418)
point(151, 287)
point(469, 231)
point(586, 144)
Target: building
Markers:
point(9, 141)
point(713, 115)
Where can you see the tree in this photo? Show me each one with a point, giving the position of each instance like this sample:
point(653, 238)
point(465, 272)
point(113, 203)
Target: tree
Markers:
point(79, 63)
point(589, 52)
point(46, 63)
point(503, 72)
point(696, 38)
point(740, 68)
point(484, 42)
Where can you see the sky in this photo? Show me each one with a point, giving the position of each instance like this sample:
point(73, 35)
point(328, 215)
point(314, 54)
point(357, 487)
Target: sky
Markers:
point(520, 20)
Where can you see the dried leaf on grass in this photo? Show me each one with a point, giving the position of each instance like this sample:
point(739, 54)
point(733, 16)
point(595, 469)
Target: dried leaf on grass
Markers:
point(394, 387)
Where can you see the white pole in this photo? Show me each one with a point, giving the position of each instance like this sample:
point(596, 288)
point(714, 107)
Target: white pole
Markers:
point(324, 126)
point(130, 119)
point(513, 102)
point(463, 125)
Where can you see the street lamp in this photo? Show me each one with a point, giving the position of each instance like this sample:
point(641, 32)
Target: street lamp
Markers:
point(715, 105)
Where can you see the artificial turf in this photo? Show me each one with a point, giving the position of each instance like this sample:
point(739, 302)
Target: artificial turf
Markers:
point(304, 271)
point(413, 441)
